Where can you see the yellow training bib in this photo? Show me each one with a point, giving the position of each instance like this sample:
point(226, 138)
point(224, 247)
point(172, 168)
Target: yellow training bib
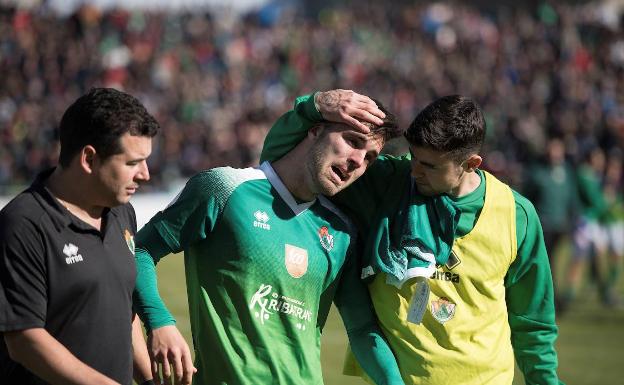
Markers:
point(464, 337)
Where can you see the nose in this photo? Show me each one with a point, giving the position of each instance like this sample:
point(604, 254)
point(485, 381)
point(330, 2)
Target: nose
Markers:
point(143, 174)
point(356, 160)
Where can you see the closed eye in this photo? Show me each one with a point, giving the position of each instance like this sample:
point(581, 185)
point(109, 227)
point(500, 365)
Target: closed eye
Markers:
point(356, 141)
point(134, 162)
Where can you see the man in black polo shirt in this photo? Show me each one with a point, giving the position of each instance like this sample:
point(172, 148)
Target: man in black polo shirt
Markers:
point(67, 252)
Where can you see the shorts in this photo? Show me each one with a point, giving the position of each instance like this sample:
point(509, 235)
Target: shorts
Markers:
point(590, 238)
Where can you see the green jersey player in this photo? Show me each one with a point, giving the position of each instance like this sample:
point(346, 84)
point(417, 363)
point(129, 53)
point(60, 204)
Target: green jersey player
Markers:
point(265, 254)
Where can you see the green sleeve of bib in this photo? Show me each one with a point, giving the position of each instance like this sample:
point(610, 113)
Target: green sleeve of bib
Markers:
point(365, 337)
point(290, 129)
point(187, 220)
point(530, 300)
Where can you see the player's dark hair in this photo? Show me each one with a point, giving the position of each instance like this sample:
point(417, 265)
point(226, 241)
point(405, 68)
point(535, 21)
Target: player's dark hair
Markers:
point(452, 124)
point(389, 129)
point(99, 118)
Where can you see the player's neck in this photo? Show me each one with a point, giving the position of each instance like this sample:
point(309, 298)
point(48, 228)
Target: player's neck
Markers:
point(291, 173)
point(468, 183)
point(75, 197)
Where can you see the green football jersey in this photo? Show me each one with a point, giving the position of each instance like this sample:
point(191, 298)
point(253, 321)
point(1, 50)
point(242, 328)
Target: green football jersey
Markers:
point(262, 270)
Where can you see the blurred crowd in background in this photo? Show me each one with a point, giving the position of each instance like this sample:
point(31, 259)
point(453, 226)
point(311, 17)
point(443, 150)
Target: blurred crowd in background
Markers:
point(550, 79)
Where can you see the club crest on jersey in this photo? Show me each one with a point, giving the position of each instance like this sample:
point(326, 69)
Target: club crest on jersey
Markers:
point(261, 219)
point(129, 240)
point(296, 260)
point(442, 309)
point(327, 240)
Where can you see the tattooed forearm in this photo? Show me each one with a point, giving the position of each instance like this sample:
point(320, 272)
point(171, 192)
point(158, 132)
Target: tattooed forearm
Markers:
point(328, 102)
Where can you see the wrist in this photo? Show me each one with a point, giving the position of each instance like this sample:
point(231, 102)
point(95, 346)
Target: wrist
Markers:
point(317, 106)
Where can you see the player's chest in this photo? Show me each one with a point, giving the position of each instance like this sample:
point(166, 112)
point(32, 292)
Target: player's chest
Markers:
point(472, 271)
point(78, 261)
point(269, 240)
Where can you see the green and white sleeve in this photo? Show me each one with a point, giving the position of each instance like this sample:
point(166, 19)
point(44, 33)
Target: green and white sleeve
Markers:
point(189, 219)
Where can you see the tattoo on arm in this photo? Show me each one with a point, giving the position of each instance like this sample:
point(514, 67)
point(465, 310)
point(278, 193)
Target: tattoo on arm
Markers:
point(329, 101)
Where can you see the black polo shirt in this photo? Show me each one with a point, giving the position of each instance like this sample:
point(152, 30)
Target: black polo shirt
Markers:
point(61, 274)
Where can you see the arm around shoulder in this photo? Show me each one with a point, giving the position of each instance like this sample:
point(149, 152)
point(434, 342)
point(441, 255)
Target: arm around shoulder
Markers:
point(367, 341)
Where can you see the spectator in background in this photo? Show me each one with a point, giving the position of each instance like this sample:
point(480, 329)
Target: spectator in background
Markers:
point(614, 222)
point(217, 83)
point(551, 186)
point(590, 236)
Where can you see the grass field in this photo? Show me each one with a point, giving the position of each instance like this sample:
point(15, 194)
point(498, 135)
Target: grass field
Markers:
point(590, 345)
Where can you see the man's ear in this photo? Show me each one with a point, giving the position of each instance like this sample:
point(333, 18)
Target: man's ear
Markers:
point(315, 131)
point(472, 163)
point(87, 158)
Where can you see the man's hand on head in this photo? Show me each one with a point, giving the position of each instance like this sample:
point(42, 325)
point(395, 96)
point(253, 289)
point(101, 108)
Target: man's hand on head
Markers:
point(348, 107)
point(167, 348)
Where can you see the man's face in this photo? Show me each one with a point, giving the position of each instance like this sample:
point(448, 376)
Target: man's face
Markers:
point(120, 175)
point(339, 155)
point(435, 172)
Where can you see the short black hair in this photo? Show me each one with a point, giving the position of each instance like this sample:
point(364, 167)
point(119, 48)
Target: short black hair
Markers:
point(99, 118)
point(389, 129)
point(452, 124)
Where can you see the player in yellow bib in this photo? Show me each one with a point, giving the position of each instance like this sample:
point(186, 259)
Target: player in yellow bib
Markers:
point(464, 316)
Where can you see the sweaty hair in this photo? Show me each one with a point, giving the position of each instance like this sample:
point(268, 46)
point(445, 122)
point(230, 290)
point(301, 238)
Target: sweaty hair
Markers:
point(389, 128)
point(99, 118)
point(453, 124)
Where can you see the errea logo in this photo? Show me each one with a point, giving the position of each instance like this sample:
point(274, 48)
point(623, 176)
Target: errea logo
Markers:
point(71, 251)
point(261, 219)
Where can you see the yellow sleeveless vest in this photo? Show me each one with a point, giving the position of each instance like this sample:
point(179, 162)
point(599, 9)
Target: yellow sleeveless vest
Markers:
point(464, 337)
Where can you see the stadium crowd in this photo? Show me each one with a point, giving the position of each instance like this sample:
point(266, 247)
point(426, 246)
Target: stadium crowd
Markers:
point(216, 83)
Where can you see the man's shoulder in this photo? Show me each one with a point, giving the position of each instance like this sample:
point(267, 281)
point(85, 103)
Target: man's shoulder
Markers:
point(524, 206)
point(23, 207)
point(126, 214)
point(338, 213)
point(216, 185)
point(21, 215)
point(226, 176)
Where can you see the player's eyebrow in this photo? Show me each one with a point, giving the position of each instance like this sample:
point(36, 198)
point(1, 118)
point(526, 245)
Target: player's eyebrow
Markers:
point(358, 135)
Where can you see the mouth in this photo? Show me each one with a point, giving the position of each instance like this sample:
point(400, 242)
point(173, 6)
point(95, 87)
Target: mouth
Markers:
point(341, 175)
point(132, 190)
